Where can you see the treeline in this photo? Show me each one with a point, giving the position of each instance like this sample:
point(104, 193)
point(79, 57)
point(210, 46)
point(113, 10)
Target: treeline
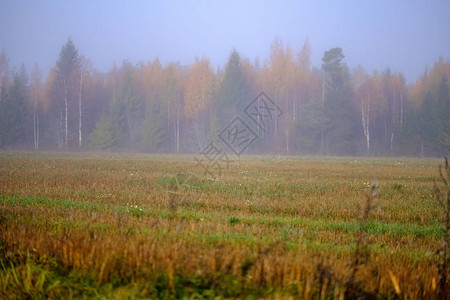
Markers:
point(153, 108)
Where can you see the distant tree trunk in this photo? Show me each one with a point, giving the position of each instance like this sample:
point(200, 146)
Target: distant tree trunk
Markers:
point(392, 141)
point(114, 85)
point(323, 89)
point(35, 125)
point(277, 121)
point(394, 121)
point(322, 138)
point(178, 130)
point(294, 109)
point(79, 110)
point(401, 108)
point(286, 127)
point(261, 129)
point(61, 129)
point(197, 135)
point(394, 113)
point(66, 113)
point(169, 142)
point(322, 141)
point(287, 139)
point(365, 115)
point(385, 128)
point(37, 132)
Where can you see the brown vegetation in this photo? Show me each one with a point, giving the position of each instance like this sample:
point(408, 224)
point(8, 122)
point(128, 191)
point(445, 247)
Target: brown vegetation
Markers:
point(268, 227)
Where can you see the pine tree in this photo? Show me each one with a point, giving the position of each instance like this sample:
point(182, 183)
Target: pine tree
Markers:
point(13, 111)
point(341, 130)
point(307, 128)
point(233, 90)
point(152, 128)
point(101, 137)
point(444, 115)
point(433, 122)
point(129, 109)
point(108, 132)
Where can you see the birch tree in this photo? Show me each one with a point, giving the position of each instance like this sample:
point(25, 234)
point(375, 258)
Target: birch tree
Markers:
point(35, 101)
point(85, 72)
point(170, 96)
point(366, 113)
point(66, 69)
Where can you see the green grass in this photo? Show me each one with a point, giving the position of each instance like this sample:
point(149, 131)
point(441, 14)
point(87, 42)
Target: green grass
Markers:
point(375, 228)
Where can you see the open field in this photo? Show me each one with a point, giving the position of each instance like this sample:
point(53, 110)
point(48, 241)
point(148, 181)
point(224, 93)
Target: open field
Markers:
point(116, 226)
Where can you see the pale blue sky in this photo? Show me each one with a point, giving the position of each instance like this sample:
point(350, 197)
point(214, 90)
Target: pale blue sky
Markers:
point(406, 36)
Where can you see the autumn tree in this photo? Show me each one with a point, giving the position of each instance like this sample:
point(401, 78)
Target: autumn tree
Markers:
point(396, 103)
point(198, 97)
point(199, 88)
point(283, 79)
point(425, 126)
point(150, 107)
point(149, 79)
point(370, 101)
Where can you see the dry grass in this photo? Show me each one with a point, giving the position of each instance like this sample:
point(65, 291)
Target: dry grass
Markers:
point(142, 226)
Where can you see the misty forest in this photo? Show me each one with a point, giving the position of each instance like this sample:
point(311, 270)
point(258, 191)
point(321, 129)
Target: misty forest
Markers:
point(154, 108)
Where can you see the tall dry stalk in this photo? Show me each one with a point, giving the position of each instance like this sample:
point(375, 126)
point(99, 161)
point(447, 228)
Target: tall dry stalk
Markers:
point(362, 246)
point(442, 194)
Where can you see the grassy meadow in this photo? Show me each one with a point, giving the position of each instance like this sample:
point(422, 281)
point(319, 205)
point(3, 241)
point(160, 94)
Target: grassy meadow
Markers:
point(138, 226)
